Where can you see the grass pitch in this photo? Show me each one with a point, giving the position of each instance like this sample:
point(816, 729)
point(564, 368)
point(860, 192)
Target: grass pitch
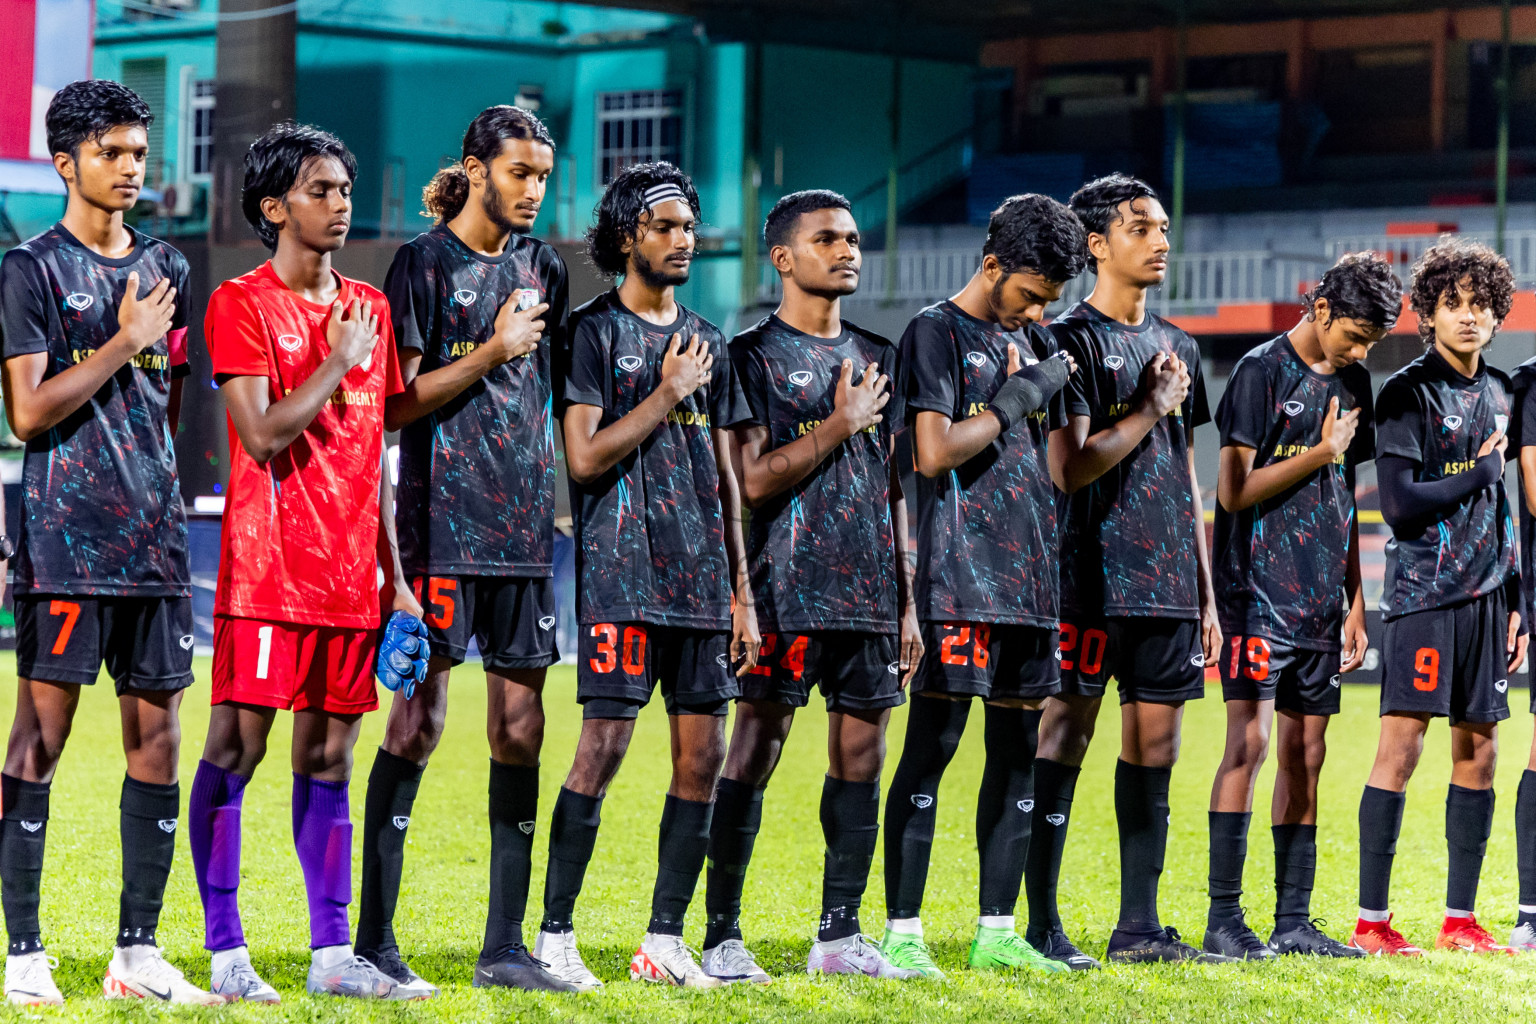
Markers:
point(443, 903)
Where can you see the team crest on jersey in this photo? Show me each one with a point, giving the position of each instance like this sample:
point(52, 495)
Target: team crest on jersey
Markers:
point(79, 301)
point(290, 342)
point(800, 378)
point(526, 298)
point(464, 297)
point(1452, 422)
point(629, 363)
point(1293, 408)
point(1114, 362)
point(976, 358)
point(546, 622)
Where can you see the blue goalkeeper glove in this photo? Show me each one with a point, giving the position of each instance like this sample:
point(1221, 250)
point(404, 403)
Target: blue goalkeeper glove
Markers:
point(403, 653)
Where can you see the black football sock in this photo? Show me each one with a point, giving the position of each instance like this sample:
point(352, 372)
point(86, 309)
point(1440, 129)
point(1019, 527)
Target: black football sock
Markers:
point(680, 851)
point(1525, 843)
point(514, 808)
point(392, 786)
point(147, 820)
point(850, 821)
point(732, 832)
point(1141, 810)
point(1295, 872)
point(23, 833)
point(572, 834)
point(1055, 785)
point(1229, 852)
point(1381, 821)
point(1468, 821)
point(1005, 806)
point(934, 728)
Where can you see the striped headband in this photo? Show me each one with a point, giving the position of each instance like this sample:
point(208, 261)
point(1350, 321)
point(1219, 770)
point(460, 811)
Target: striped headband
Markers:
point(663, 193)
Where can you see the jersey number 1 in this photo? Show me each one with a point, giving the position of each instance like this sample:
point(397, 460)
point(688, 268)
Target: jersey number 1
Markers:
point(264, 651)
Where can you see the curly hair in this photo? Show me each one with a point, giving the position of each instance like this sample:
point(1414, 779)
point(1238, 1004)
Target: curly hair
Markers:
point(1360, 286)
point(1035, 233)
point(445, 195)
point(273, 165)
point(1445, 265)
point(617, 215)
point(781, 219)
point(1097, 204)
point(85, 111)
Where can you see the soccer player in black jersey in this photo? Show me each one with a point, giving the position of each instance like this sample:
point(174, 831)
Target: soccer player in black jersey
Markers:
point(1136, 598)
point(833, 600)
point(479, 309)
point(1454, 634)
point(649, 401)
point(1295, 422)
point(1522, 438)
point(982, 381)
point(94, 317)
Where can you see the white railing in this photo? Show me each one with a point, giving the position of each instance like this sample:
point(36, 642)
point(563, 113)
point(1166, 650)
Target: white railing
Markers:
point(1196, 281)
point(1402, 250)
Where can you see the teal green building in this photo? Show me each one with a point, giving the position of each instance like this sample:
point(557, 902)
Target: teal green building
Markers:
point(750, 121)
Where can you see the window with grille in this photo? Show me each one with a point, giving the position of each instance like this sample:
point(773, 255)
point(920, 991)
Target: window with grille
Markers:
point(200, 126)
point(637, 127)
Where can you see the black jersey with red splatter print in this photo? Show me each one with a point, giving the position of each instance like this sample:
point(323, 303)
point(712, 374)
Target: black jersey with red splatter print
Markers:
point(1128, 538)
point(1279, 565)
point(1433, 416)
point(650, 532)
point(101, 509)
point(821, 553)
point(477, 475)
point(986, 530)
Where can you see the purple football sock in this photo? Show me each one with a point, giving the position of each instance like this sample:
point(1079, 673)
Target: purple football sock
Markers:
point(214, 820)
point(322, 835)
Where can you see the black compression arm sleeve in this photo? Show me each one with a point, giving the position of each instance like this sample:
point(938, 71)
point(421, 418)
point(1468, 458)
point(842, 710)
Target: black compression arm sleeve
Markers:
point(1405, 500)
point(1027, 390)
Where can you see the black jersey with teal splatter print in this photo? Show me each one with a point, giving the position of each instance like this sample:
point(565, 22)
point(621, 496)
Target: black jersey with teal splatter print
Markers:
point(1279, 565)
point(477, 475)
point(1430, 414)
point(1128, 538)
point(101, 507)
point(650, 532)
point(822, 552)
point(986, 530)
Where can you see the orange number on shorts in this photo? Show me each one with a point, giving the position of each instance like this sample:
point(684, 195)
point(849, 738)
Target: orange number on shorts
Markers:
point(634, 651)
point(1068, 644)
point(980, 655)
point(794, 656)
point(1095, 642)
point(71, 611)
point(437, 595)
point(959, 637)
point(1258, 659)
point(607, 638)
point(1427, 662)
point(764, 650)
